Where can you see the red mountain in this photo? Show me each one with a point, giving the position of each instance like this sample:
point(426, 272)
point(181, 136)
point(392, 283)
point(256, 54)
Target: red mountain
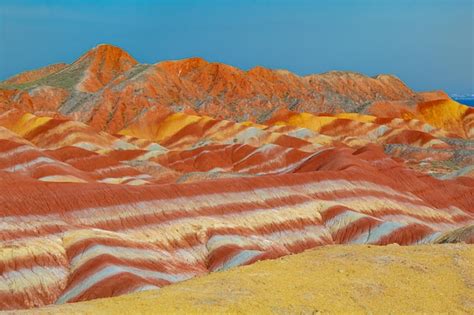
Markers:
point(108, 89)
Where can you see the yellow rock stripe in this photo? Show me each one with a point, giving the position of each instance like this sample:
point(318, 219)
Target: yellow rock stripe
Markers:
point(27, 123)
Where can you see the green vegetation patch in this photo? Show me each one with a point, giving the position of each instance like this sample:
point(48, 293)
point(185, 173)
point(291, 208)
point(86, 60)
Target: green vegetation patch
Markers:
point(66, 79)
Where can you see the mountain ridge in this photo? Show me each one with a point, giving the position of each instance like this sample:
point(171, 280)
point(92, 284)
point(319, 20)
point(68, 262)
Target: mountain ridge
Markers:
point(115, 50)
point(109, 90)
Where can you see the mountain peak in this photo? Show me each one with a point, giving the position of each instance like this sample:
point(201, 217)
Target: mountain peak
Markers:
point(102, 64)
point(106, 50)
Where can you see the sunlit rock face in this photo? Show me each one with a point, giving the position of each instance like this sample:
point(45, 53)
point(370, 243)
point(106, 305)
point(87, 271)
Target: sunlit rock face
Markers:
point(117, 177)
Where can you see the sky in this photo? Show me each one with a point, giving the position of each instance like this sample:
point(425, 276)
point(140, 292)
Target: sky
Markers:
point(429, 44)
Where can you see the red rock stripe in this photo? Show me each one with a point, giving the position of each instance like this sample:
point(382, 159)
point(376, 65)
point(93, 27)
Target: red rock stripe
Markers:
point(116, 285)
point(92, 266)
point(266, 204)
point(24, 299)
point(30, 261)
point(40, 231)
point(80, 246)
point(222, 254)
point(91, 196)
point(51, 124)
point(406, 235)
point(353, 230)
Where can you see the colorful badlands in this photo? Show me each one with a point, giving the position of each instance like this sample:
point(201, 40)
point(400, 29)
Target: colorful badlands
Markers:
point(118, 177)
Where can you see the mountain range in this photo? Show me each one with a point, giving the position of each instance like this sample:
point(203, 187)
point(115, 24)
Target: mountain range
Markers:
point(108, 89)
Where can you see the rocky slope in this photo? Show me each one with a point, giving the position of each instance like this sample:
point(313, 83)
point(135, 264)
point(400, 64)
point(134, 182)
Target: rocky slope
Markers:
point(33, 75)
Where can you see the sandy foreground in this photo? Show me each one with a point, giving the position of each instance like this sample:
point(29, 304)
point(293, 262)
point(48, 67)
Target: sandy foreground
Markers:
point(330, 279)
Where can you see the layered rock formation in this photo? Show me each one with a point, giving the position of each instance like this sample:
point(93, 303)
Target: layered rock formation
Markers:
point(118, 177)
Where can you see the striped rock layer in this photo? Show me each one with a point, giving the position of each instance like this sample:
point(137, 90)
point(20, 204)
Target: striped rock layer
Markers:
point(104, 190)
point(87, 214)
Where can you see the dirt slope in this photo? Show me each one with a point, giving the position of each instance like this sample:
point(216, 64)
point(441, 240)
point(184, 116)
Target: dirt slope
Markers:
point(332, 279)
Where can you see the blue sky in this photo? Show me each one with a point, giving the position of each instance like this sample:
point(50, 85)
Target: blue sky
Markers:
point(427, 43)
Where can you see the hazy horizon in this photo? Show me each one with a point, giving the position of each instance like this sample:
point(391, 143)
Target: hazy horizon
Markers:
point(427, 44)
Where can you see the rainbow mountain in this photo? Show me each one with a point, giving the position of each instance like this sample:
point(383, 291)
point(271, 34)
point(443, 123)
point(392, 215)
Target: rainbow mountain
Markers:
point(118, 177)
